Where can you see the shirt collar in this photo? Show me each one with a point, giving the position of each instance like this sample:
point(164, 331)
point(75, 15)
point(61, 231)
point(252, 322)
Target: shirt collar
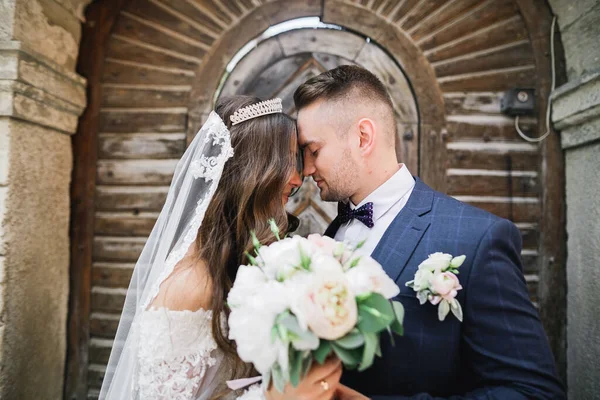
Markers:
point(389, 193)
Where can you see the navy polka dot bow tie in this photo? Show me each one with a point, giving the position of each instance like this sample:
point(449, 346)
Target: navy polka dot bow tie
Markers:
point(364, 214)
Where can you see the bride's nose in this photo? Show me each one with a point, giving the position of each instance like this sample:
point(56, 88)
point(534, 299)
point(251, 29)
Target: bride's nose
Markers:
point(295, 180)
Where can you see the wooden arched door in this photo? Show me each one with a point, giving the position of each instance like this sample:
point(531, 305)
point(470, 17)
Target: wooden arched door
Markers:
point(276, 66)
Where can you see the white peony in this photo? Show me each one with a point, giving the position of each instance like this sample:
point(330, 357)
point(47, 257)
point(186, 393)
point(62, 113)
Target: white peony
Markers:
point(369, 277)
point(436, 262)
point(423, 279)
point(249, 280)
point(253, 313)
point(280, 259)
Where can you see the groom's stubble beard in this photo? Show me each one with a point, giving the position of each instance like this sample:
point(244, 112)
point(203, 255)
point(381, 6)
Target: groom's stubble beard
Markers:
point(340, 185)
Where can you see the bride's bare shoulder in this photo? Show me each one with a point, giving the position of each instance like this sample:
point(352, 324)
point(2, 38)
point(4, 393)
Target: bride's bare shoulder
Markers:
point(189, 287)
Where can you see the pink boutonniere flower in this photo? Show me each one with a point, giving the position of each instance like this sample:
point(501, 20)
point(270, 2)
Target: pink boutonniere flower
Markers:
point(436, 282)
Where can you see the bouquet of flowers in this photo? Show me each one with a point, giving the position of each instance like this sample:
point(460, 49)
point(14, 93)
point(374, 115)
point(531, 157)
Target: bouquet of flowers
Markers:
point(302, 299)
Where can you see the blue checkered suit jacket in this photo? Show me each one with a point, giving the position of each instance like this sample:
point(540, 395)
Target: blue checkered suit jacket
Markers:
point(500, 351)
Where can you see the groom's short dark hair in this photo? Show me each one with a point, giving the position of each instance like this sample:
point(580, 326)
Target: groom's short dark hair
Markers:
point(340, 82)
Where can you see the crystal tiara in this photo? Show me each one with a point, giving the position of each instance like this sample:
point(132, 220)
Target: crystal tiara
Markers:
point(256, 110)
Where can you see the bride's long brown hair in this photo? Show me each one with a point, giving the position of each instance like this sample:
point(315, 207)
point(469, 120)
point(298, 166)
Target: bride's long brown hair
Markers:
point(249, 194)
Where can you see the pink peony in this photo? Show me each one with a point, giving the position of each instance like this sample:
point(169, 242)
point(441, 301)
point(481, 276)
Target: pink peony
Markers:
point(329, 306)
point(446, 285)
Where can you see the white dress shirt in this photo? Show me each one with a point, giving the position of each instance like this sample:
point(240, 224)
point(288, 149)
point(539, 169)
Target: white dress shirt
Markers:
point(388, 200)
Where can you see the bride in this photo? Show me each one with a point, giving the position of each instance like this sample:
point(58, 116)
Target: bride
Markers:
point(238, 172)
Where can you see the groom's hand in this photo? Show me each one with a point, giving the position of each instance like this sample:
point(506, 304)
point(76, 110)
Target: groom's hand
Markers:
point(345, 393)
point(320, 383)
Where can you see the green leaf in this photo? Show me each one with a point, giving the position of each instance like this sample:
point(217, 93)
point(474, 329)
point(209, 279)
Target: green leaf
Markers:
point(274, 228)
point(360, 244)
point(306, 364)
point(352, 340)
point(368, 355)
point(305, 260)
point(295, 367)
point(251, 259)
point(354, 263)
point(278, 380)
point(397, 326)
point(443, 309)
point(302, 339)
point(322, 351)
point(255, 241)
point(375, 313)
point(422, 296)
point(350, 358)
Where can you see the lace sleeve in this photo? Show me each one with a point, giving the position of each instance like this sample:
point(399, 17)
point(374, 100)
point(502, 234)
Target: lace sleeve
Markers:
point(175, 351)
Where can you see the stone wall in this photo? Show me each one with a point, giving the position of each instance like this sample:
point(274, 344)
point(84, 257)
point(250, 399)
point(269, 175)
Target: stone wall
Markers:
point(576, 112)
point(41, 98)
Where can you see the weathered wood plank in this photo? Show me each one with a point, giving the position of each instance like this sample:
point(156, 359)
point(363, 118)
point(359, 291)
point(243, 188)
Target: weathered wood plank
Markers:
point(112, 275)
point(141, 198)
point(104, 325)
point(509, 208)
point(198, 14)
point(119, 249)
point(213, 9)
point(340, 43)
point(402, 11)
point(128, 72)
point(141, 145)
point(159, 120)
point(146, 172)
point(531, 236)
point(500, 34)
point(494, 160)
point(124, 223)
point(286, 93)
point(157, 13)
point(137, 28)
point(269, 81)
point(474, 22)
point(474, 102)
point(108, 299)
point(452, 10)
point(487, 128)
point(494, 80)
point(145, 96)
point(250, 67)
point(419, 12)
point(100, 351)
point(504, 186)
point(506, 56)
point(96, 376)
point(122, 48)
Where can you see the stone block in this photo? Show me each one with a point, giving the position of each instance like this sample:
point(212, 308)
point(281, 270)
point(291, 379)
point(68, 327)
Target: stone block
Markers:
point(49, 29)
point(580, 41)
point(36, 265)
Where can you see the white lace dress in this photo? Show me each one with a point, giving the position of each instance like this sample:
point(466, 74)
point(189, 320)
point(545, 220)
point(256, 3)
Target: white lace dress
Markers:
point(178, 357)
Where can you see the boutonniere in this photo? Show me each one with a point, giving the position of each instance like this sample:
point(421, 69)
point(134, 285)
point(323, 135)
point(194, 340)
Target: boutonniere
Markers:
point(436, 282)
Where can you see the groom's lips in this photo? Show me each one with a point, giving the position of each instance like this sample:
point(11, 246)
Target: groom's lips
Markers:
point(319, 182)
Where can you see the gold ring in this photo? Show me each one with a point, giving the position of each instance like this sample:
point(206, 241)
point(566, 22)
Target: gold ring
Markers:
point(324, 385)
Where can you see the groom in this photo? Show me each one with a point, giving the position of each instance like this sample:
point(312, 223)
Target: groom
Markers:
point(500, 351)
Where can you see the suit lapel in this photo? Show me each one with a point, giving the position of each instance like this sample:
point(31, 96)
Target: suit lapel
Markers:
point(405, 232)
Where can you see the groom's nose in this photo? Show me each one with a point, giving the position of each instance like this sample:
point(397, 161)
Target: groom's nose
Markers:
point(309, 166)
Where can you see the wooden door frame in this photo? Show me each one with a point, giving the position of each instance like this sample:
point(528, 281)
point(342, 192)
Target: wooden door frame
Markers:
point(100, 17)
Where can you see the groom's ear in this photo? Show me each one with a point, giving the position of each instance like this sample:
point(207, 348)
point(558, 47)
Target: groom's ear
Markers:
point(366, 134)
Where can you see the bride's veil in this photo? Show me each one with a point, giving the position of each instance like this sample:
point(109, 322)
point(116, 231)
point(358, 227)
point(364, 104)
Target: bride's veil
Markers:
point(194, 183)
